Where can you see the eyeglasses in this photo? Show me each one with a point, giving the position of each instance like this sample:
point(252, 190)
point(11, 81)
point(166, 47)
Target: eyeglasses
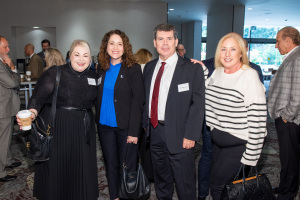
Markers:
point(180, 49)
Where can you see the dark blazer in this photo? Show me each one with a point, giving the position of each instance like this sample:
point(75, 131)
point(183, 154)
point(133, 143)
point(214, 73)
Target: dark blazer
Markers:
point(129, 98)
point(184, 110)
point(42, 55)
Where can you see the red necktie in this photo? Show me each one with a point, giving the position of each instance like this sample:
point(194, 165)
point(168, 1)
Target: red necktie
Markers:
point(154, 102)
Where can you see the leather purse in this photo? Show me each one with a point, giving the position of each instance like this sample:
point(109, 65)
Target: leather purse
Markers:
point(38, 139)
point(256, 187)
point(133, 185)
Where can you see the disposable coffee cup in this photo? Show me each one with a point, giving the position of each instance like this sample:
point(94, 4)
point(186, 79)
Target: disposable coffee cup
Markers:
point(28, 75)
point(25, 118)
point(22, 77)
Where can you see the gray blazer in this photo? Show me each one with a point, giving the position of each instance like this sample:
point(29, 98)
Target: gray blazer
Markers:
point(9, 91)
point(284, 90)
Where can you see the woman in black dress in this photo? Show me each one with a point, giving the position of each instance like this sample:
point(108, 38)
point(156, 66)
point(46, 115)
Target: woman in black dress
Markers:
point(71, 172)
point(119, 106)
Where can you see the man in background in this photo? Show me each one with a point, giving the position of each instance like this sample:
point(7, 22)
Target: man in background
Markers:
point(36, 64)
point(9, 106)
point(284, 107)
point(45, 45)
point(181, 51)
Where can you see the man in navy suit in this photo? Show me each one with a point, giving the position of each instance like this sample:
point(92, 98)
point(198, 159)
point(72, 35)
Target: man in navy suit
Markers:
point(173, 115)
point(45, 45)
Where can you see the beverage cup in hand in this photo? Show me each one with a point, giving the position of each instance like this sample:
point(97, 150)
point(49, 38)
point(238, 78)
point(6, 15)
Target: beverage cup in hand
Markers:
point(25, 118)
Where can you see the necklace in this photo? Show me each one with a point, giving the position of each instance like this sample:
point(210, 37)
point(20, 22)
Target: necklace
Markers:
point(78, 74)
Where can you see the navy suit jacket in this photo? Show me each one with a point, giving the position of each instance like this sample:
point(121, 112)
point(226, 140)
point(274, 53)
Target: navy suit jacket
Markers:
point(184, 110)
point(129, 98)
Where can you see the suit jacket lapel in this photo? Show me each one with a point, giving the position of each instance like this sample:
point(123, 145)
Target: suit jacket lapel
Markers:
point(123, 73)
point(176, 76)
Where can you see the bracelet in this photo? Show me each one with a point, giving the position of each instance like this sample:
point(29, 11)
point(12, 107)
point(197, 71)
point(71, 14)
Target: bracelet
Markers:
point(33, 114)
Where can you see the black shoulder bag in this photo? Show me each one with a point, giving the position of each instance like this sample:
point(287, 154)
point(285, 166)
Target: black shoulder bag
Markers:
point(256, 187)
point(133, 185)
point(38, 140)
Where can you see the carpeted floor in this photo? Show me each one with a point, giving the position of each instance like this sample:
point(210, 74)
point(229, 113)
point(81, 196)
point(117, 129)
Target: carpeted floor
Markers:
point(21, 188)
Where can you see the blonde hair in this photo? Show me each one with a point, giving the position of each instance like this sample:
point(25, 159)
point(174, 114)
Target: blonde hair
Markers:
point(81, 43)
point(142, 56)
point(239, 39)
point(53, 57)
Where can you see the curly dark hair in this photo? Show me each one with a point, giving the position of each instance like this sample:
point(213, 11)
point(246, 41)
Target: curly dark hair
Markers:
point(127, 57)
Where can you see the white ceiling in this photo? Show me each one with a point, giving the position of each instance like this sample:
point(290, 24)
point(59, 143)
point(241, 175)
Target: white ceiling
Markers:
point(264, 12)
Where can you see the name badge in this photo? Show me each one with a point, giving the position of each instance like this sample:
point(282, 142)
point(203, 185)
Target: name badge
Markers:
point(183, 87)
point(99, 81)
point(91, 81)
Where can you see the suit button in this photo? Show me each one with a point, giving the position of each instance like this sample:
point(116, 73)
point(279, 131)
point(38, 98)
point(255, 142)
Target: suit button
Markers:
point(115, 100)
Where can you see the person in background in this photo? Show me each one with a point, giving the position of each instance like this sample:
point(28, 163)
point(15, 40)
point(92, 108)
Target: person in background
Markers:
point(173, 115)
point(142, 56)
point(53, 57)
point(45, 45)
point(255, 66)
point(36, 63)
point(284, 107)
point(71, 171)
point(235, 112)
point(204, 164)
point(119, 106)
point(181, 51)
point(9, 106)
point(68, 57)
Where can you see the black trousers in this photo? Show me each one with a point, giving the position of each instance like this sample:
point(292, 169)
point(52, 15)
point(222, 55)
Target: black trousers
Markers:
point(172, 168)
point(227, 153)
point(288, 139)
point(114, 146)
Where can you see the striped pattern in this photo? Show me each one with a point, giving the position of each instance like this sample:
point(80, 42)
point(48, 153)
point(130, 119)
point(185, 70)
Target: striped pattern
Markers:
point(238, 110)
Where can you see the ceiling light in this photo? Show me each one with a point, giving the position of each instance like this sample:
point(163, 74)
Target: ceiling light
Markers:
point(267, 19)
point(36, 27)
point(249, 8)
point(171, 9)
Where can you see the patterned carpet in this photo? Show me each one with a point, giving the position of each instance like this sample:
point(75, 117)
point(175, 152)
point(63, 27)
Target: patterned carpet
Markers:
point(21, 188)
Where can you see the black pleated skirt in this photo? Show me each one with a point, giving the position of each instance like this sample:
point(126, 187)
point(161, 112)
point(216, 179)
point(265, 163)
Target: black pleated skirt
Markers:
point(71, 172)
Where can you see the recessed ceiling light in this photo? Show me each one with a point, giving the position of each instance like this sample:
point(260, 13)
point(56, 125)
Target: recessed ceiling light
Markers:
point(171, 9)
point(267, 19)
point(36, 27)
point(249, 8)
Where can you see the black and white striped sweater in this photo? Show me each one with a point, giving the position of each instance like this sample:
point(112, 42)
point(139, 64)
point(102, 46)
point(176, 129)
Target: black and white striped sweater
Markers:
point(236, 103)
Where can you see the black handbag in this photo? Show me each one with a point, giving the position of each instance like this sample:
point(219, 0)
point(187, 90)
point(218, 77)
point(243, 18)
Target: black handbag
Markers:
point(133, 185)
point(256, 187)
point(38, 139)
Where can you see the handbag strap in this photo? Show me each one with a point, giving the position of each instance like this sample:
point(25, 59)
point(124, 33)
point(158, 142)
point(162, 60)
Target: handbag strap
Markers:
point(53, 106)
point(138, 151)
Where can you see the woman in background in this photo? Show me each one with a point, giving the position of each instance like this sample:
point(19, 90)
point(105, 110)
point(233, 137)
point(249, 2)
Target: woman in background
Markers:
point(142, 56)
point(119, 106)
point(53, 57)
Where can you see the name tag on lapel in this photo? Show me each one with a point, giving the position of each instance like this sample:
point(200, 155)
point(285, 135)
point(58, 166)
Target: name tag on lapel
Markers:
point(91, 81)
point(183, 87)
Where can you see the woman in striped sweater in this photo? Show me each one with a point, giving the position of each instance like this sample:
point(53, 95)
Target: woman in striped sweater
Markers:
point(235, 111)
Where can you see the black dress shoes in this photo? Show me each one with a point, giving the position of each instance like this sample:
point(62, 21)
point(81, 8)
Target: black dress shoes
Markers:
point(7, 178)
point(13, 165)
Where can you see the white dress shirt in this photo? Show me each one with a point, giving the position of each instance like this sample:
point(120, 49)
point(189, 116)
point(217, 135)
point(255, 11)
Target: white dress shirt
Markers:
point(164, 84)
